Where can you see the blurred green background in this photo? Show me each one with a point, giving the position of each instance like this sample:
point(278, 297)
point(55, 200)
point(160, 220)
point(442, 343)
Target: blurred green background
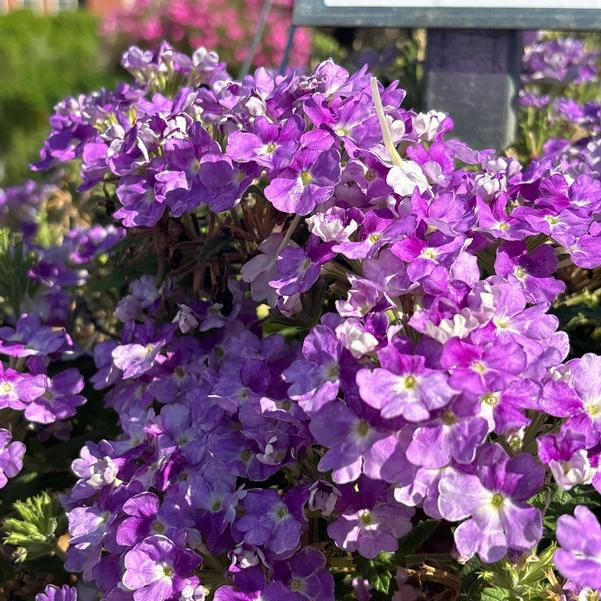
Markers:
point(42, 60)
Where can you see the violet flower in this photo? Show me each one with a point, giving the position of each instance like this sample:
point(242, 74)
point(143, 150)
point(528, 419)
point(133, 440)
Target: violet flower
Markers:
point(579, 557)
point(54, 593)
point(493, 500)
point(157, 570)
point(11, 457)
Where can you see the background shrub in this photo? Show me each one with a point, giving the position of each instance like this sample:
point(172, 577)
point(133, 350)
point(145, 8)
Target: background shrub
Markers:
point(42, 60)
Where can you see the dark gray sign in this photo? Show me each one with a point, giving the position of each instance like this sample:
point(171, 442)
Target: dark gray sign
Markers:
point(473, 50)
point(473, 74)
point(578, 15)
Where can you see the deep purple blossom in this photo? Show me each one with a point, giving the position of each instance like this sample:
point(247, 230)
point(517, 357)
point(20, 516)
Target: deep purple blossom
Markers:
point(269, 521)
point(369, 523)
point(315, 379)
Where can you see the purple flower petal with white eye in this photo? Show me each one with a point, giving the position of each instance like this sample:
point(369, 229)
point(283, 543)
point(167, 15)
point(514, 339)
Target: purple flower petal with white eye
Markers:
point(157, 570)
point(492, 500)
point(411, 390)
point(308, 182)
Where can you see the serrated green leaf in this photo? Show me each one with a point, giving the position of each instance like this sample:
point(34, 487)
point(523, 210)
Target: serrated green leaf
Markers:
point(413, 541)
point(494, 594)
point(379, 572)
point(35, 529)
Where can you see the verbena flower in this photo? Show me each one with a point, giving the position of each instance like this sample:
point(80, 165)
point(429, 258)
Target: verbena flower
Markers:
point(579, 557)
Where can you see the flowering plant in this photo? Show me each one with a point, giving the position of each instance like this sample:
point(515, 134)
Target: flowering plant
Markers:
point(337, 348)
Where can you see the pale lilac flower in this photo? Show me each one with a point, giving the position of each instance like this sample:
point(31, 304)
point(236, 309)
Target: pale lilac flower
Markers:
point(579, 557)
point(157, 570)
point(493, 499)
point(404, 386)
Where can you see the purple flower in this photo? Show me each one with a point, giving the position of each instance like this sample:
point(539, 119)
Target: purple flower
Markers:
point(493, 500)
point(30, 337)
point(297, 271)
point(270, 145)
point(219, 183)
point(532, 271)
point(567, 459)
point(315, 379)
point(377, 229)
point(142, 521)
point(306, 576)
point(54, 593)
point(579, 557)
point(96, 467)
point(157, 570)
point(50, 399)
point(11, 457)
point(136, 359)
point(477, 368)
point(370, 523)
point(404, 386)
point(269, 522)
point(356, 445)
point(309, 181)
point(143, 204)
point(449, 436)
point(88, 528)
point(580, 401)
point(9, 396)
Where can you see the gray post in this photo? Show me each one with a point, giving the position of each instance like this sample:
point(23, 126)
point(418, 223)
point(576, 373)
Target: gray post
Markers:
point(474, 75)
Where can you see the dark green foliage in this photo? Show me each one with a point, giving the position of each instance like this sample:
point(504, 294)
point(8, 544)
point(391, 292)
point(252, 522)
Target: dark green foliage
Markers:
point(42, 60)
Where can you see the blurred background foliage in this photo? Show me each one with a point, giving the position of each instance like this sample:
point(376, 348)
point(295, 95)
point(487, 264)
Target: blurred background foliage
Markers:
point(42, 60)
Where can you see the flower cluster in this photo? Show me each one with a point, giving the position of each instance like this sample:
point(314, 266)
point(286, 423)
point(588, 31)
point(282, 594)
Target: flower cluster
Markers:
point(337, 336)
point(561, 109)
point(42, 267)
point(231, 30)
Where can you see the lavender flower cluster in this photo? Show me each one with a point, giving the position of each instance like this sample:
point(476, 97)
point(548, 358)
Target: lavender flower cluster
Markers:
point(562, 111)
point(32, 390)
point(348, 330)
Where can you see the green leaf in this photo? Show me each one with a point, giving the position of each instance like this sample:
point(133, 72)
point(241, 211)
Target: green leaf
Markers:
point(565, 501)
point(470, 582)
point(416, 538)
point(379, 572)
point(495, 594)
point(39, 523)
